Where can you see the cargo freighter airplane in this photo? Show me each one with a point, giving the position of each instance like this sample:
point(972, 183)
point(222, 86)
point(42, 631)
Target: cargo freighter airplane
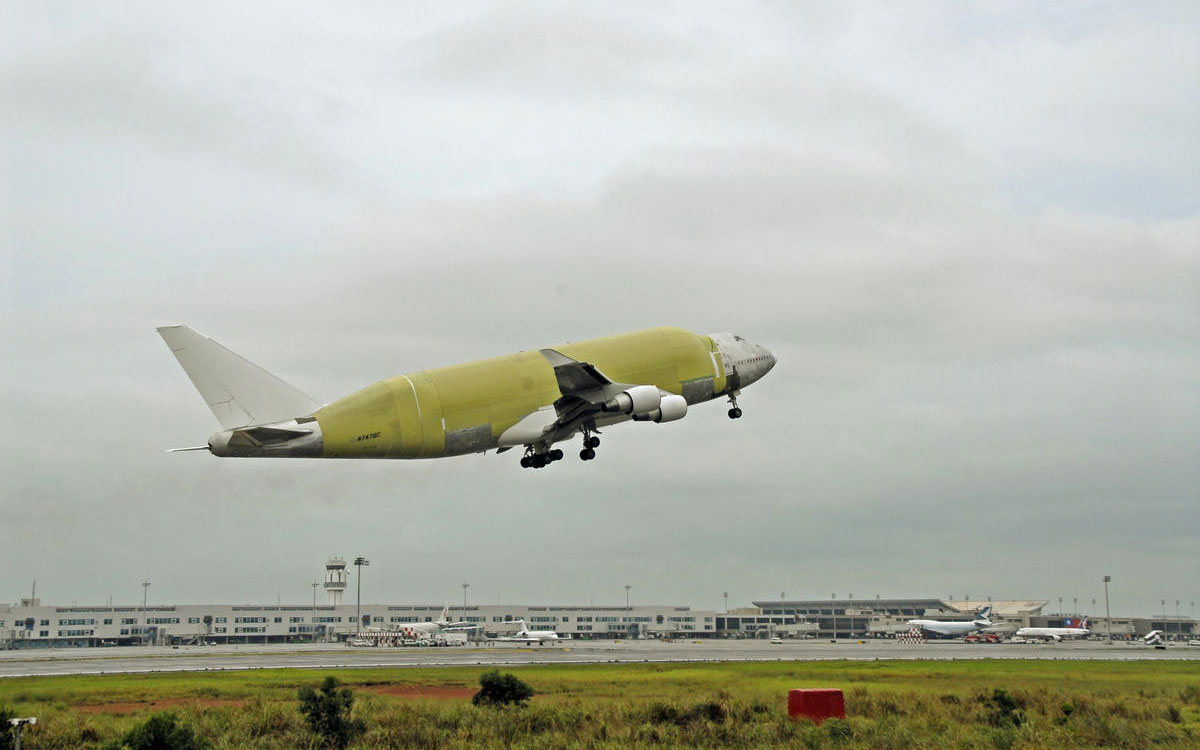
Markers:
point(531, 399)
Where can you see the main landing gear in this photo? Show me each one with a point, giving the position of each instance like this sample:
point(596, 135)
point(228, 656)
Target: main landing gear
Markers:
point(590, 443)
point(540, 455)
point(735, 412)
point(536, 460)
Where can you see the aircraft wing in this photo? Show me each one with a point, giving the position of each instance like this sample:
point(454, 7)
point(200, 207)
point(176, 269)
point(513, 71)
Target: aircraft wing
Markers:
point(574, 376)
point(586, 392)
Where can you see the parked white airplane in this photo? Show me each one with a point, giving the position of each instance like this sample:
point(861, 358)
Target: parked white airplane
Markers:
point(1057, 634)
point(954, 628)
point(525, 635)
point(425, 629)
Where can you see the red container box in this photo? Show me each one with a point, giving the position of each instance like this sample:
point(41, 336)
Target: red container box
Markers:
point(817, 705)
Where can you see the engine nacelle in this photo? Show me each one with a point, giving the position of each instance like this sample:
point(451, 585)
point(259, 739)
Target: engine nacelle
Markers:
point(640, 399)
point(669, 409)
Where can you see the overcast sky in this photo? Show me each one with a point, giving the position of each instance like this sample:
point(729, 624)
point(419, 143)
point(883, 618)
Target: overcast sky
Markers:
point(970, 234)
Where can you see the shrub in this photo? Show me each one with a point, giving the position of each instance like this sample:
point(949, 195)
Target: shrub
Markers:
point(162, 731)
point(715, 711)
point(496, 689)
point(327, 711)
point(1006, 710)
point(6, 737)
point(838, 730)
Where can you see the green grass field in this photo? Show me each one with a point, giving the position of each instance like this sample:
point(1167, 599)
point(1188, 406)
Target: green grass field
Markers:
point(889, 704)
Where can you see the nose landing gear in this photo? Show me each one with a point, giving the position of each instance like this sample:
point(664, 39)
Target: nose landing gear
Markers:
point(734, 412)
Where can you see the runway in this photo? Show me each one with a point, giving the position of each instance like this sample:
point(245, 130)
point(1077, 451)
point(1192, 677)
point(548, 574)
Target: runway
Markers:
point(133, 659)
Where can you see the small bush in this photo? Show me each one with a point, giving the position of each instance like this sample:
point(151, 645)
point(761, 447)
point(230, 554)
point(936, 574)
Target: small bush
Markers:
point(1006, 710)
point(838, 730)
point(664, 713)
point(716, 711)
point(162, 731)
point(6, 738)
point(496, 689)
point(327, 712)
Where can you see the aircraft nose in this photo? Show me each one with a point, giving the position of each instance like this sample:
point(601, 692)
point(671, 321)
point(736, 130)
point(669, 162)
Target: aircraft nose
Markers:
point(770, 359)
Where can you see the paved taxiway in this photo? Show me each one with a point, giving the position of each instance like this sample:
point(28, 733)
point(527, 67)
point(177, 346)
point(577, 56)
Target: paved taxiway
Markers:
point(47, 662)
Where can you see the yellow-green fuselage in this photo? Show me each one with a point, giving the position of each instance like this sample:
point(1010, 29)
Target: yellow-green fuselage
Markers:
point(465, 408)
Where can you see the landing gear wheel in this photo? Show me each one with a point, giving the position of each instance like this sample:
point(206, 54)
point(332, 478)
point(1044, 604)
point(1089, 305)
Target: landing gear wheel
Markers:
point(556, 455)
point(734, 411)
point(526, 462)
point(587, 454)
point(591, 442)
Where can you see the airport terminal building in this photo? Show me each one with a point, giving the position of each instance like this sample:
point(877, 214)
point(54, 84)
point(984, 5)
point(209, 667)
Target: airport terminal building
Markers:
point(31, 624)
point(888, 618)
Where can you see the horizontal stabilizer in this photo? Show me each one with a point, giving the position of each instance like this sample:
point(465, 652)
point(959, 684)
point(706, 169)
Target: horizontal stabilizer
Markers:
point(239, 392)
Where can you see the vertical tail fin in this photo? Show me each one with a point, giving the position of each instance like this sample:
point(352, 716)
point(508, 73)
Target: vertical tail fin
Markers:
point(239, 392)
point(985, 613)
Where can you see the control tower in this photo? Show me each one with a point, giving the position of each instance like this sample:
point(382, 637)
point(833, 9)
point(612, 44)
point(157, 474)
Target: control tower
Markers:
point(336, 576)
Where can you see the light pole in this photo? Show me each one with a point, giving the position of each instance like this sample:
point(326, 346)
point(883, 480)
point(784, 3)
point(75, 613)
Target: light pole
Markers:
point(1060, 605)
point(145, 625)
point(313, 620)
point(1107, 614)
point(359, 562)
point(465, 587)
point(726, 595)
point(627, 587)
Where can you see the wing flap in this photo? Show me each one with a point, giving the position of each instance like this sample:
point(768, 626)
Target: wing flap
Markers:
point(574, 376)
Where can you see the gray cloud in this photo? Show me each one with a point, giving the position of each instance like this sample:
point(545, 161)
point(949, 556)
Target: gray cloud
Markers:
point(966, 373)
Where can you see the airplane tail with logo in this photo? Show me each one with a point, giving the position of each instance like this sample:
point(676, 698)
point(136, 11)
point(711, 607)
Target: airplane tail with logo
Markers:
point(984, 614)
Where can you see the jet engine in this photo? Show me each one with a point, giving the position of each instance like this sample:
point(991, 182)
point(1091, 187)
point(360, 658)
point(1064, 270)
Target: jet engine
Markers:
point(669, 409)
point(640, 399)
